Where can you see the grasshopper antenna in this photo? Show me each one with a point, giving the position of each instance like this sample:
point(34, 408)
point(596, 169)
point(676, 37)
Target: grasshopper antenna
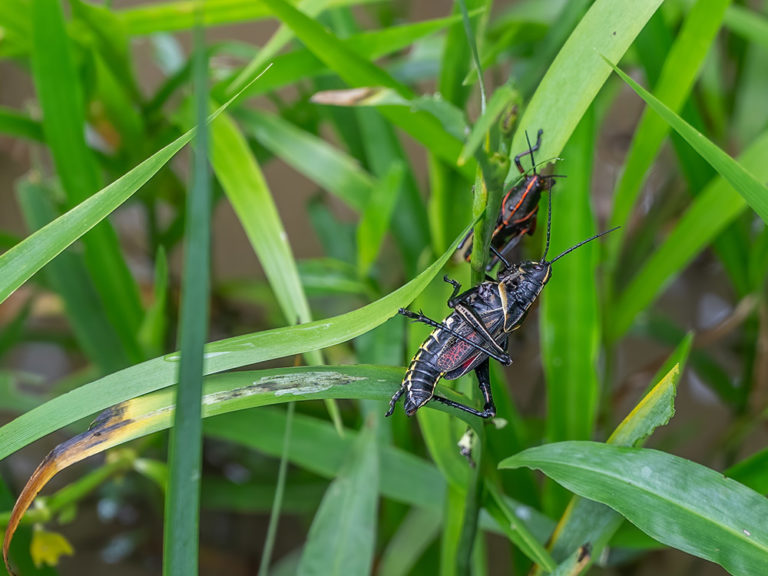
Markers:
point(572, 248)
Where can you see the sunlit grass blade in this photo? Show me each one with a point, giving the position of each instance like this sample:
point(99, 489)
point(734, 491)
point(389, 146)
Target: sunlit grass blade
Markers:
point(609, 27)
point(678, 502)
point(226, 354)
point(677, 77)
point(311, 156)
point(570, 319)
point(68, 276)
point(750, 188)
point(709, 213)
point(24, 259)
point(18, 125)
point(342, 537)
point(153, 17)
point(185, 444)
point(240, 175)
point(58, 89)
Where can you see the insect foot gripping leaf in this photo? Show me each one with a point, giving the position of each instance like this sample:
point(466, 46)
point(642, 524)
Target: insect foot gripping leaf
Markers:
point(48, 547)
point(475, 331)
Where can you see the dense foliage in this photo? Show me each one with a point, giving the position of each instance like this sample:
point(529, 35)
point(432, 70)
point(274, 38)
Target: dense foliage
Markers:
point(403, 128)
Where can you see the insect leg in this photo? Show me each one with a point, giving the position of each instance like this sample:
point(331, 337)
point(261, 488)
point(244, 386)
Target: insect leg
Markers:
point(504, 358)
point(529, 151)
point(456, 288)
point(484, 381)
point(468, 314)
point(457, 405)
point(393, 401)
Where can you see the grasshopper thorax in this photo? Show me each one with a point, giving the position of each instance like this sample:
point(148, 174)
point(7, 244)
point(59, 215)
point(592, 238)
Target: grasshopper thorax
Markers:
point(531, 272)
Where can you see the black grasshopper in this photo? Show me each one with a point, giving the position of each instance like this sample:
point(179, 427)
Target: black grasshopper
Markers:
point(474, 332)
point(517, 216)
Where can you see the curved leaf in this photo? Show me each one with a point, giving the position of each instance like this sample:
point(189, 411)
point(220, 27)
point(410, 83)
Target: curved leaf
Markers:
point(744, 182)
point(28, 256)
point(676, 501)
point(222, 393)
point(223, 355)
point(577, 73)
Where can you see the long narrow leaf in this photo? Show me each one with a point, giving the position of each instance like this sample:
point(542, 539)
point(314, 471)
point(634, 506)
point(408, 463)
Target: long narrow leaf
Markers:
point(709, 213)
point(27, 257)
point(185, 447)
point(343, 533)
point(311, 156)
point(226, 354)
point(677, 76)
point(153, 17)
point(609, 27)
point(570, 320)
point(750, 188)
point(676, 501)
point(357, 71)
point(58, 89)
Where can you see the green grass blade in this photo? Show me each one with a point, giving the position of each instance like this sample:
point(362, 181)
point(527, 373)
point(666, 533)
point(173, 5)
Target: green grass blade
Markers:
point(473, 50)
point(357, 71)
point(382, 149)
point(676, 80)
point(676, 501)
point(18, 125)
point(185, 444)
point(376, 216)
point(516, 530)
point(58, 88)
point(329, 168)
point(610, 26)
point(243, 182)
point(301, 64)
point(415, 533)
point(276, 43)
point(277, 503)
point(223, 355)
point(588, 521)
point(154, 17)
point(709, 213)
point(154, 326)
point(68, 276)
point(24, 259)
point(755, 193)
point(317, 448)
point(570, 319)
point(239, 173)
point(342, 537)
point(501, 98)
point(749, 24)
